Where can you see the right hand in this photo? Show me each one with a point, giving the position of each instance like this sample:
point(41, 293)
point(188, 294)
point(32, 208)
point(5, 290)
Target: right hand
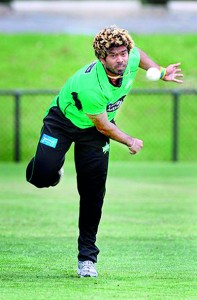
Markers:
point(136, 146)
point(173, 73)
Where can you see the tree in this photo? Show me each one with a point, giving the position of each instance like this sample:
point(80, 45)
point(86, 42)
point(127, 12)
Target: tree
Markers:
point(156, 2)
point(5, 1)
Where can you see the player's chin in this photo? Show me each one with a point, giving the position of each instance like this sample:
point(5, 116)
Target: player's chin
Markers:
point(120, 71)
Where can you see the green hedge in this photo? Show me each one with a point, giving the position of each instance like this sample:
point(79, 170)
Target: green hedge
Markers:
point(5, 1)
point(158, 2)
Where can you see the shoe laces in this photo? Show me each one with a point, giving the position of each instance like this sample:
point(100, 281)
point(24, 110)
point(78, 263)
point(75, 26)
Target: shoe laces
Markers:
point(87, 264)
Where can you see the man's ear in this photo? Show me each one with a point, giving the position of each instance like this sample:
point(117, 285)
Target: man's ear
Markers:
point(102, 60)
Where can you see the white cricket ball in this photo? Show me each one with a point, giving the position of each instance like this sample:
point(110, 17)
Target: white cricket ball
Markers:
point(153, 74)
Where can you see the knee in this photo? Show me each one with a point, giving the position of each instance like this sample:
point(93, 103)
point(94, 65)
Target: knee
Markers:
point(38, 184)
point(36, 177)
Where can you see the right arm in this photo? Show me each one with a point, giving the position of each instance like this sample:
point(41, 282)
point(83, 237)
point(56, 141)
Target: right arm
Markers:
point(172, 71)
point(109, 129)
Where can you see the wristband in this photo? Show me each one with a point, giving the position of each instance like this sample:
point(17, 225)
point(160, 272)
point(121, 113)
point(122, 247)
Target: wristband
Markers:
point(163, 72)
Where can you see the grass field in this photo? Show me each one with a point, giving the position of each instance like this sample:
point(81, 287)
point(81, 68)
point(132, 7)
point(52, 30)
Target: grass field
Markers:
point(38, 61)
point(147, 235)
point(46, 61)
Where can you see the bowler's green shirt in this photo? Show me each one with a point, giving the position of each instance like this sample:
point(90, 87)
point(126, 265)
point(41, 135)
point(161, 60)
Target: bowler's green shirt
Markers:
point(89, 91)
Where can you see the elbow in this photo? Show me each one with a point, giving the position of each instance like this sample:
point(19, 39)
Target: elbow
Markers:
point(103, 130)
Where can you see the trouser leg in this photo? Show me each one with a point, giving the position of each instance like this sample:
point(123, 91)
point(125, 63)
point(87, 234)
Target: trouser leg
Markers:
point(91, 158)
point(43, 169)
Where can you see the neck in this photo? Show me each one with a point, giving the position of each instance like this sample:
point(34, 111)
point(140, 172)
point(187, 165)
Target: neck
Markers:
point(116, 81)
point(114, 76)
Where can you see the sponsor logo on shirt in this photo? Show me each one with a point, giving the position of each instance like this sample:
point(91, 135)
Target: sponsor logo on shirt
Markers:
point(114, 106)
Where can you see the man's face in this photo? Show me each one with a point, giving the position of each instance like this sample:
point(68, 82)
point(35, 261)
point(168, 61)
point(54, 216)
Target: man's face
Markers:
point(116, 61)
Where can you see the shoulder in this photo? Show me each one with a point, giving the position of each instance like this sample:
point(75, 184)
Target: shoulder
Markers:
point(86, 77)
point(88, 70)
point(134, 54)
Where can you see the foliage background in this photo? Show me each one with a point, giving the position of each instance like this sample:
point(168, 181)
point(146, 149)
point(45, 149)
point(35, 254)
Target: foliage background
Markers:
point(41, 61)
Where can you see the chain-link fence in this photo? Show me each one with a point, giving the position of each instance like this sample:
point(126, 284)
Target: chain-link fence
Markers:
point(164, 119)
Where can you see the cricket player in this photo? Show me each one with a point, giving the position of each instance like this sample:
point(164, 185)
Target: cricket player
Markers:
point(83, 113)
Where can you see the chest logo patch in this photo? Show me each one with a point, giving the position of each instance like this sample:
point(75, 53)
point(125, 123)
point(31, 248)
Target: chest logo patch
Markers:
point(114, 106)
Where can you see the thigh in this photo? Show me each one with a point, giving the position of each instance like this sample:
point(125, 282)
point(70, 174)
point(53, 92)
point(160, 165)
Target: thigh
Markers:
point(91, 160)
point(51, 149)
point(53, 144)
point(55, 139)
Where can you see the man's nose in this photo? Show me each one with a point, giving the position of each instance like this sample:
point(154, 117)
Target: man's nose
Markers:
point(119, 58)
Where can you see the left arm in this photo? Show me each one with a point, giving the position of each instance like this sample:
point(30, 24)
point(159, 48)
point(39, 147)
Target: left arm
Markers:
point(172, 72)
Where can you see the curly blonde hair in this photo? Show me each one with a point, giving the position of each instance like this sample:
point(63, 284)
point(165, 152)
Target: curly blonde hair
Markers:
point(109, 37)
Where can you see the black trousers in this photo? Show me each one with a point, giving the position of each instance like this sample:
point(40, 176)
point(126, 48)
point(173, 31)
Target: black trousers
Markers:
point(91, 152)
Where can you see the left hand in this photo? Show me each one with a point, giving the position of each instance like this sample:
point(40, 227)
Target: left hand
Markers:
point(173, 73)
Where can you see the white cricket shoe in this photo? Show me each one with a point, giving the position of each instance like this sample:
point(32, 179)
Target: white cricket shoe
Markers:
point(61, 173)
point(86, 269)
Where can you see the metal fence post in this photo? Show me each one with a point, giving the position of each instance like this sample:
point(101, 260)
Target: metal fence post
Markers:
point(175, 125)
point(17, 147)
